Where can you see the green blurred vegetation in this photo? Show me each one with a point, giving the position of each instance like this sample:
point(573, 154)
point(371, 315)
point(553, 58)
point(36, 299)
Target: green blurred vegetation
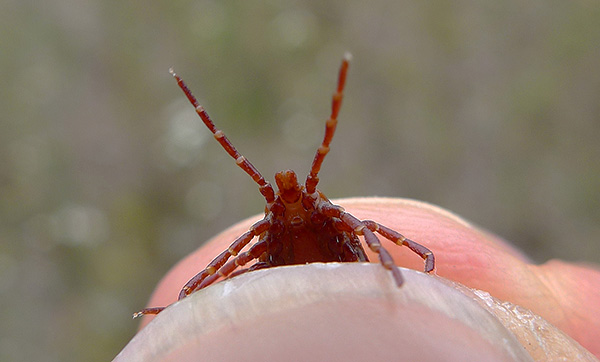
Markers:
point(488, 108)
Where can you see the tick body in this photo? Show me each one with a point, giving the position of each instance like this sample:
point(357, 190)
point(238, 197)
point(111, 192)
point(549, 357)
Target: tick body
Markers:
point(300, 225)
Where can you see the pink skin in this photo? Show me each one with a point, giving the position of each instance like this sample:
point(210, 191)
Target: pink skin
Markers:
point(565, 294)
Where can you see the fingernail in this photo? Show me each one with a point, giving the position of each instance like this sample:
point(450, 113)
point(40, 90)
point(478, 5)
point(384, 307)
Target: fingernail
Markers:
point(324, 311)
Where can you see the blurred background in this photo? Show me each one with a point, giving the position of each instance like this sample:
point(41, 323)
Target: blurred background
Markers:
point(107, 178)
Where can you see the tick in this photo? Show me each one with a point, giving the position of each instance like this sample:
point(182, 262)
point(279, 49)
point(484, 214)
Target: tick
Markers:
point(300, 225)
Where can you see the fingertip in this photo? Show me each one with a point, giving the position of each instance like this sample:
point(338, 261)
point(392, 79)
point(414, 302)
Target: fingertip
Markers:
point(463, 253)
point(322, 312)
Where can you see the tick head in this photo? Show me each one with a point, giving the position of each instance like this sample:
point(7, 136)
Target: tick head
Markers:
point(289, 188)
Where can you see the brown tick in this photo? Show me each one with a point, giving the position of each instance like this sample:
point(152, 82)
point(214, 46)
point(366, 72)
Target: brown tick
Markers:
point(300, 225)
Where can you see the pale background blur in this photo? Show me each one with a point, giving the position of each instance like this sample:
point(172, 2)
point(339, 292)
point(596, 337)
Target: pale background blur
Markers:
point(488, 108)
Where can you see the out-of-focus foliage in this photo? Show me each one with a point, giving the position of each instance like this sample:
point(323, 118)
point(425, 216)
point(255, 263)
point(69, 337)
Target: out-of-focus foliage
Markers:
point(488, 108)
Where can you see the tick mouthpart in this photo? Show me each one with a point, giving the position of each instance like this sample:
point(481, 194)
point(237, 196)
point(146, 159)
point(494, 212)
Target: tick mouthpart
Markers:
point(289, 188)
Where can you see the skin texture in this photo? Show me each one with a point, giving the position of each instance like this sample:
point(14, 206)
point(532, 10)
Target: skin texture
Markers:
point(564, 294)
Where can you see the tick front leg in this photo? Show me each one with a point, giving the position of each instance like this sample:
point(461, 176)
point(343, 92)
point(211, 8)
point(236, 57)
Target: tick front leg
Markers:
point(400, 239)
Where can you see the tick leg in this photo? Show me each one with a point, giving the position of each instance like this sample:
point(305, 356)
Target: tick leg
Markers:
point(193, 284)
point(225, 271)
point(218, 262)
point(312, 179)
point(384, 256)
point(265, 188)
point(400, 239)
point(154, 310)
point(361, 228)
point(256, 266)
point(352, 249)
